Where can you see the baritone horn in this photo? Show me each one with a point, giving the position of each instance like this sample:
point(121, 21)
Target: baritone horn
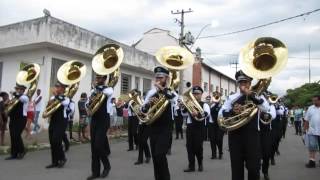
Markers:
point(70, 74)
point(106, 61)
point(28, 76)
point(261, 59)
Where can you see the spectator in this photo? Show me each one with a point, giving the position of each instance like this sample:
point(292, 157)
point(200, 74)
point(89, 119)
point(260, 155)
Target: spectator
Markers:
point(83, 117)
point(38, 102)
point(113, 115)
point(119, 108)
point(298, 114)
point(30, 117)
point(312, 127)
point(4, 98)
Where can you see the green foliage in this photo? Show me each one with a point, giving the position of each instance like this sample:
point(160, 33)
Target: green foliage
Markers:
point(302, 95)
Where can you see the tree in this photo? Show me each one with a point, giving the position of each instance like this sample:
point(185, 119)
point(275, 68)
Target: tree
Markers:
point(302, 95)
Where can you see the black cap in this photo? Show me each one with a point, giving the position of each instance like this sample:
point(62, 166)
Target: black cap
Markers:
point(59, 84)
point(160, 71)
point(241, 76)
point(19, 86)
point(197, 90)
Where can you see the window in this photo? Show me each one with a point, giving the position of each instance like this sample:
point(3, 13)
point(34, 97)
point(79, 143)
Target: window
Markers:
point(146, 85)
point(137, 83)
point(205, 87)
point(225, 92)
point(1, 65)
point(125, 83)
point(56, 63)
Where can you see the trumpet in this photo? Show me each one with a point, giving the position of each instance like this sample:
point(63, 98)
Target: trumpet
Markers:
point(28, 76)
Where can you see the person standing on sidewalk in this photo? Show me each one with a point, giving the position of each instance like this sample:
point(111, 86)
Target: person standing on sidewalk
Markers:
point(38, 105)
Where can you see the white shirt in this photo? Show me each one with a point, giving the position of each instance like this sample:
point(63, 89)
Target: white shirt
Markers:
point(280, 111)
point(64, 103)
point(72, 109)
point(206, 108)
point(130, 112)
point(313, 117)
point(210, 117)
point(39, 105)
point(25, 100)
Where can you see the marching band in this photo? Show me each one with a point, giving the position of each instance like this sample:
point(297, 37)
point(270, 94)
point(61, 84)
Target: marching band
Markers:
point(252, 117)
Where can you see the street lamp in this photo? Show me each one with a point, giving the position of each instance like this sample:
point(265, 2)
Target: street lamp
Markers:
point(214, 23)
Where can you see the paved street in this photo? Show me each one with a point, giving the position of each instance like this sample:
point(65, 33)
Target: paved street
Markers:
point(290, 165)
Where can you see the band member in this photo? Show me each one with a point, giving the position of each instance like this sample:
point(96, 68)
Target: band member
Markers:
point(276, 131)
point(244, 142)
point(285, 121)
point(18, 120)
point(133, 123)
point(206, 136)
point(266, 139)
point(57, 127)
point(215, 132)
point(178, 119)
point(100, 123)
point(195, 130)
point(160, 129)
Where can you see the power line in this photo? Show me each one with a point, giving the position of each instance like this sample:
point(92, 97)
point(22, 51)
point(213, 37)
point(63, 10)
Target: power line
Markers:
point(260, 26)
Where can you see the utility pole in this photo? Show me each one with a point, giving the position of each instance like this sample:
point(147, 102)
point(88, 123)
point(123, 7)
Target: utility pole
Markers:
point(309, 47)
point(235, 63)
point(181, 38)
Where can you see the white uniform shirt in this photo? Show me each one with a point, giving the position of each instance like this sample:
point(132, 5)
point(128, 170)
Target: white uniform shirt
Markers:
point(313, 117)
point(210, 117)
point(25, 100)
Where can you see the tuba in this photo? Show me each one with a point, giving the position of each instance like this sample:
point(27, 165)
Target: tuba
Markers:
point(70, 73)
point(260, 59)
point(273, 98)
point(216, 97)
point(135, 102)
point(106, 61)
point(192, 105)
point(27, 76)
point(175, 58)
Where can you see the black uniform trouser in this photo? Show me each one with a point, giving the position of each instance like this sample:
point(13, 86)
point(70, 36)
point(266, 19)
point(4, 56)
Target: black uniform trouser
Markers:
point(266, 144)
point(194, 144)
point(16, 126)
point(206, 133)
point(159, 142)
point(57, 129)
point(297, 125)
point(178, 127)
point(100, 148)
point(143, 134)
point(276, 134)
point(244, 145)
point(284, 126)
point(216, 138)
point(70, 127)
point(133, 123)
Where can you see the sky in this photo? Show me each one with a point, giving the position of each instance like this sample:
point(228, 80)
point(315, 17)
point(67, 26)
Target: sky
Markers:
point(127, 20)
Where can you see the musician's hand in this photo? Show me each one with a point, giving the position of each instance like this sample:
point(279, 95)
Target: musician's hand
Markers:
point(194, 114)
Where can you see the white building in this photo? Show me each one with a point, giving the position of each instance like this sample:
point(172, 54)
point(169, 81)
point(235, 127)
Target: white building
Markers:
point(200, 73)
point(50, 42)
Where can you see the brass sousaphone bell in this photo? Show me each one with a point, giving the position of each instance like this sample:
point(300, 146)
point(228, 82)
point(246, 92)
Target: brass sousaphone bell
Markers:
point(260, 59)
point(70, 74)
point(28, 77)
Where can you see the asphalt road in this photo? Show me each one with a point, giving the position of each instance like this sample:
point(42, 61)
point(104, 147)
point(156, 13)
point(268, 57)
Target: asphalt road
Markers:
point(289, 165)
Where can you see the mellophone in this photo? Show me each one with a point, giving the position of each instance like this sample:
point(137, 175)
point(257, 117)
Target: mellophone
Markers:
point(260, 59)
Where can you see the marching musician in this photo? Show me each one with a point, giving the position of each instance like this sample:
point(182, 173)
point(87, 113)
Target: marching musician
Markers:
point(133, 123)
point(276, 131)
point(266, 138)
point(195, 130)
point(57, 126)
point(215, 132)
point(160, 129)
point(18, 120)
point(244, 142)
point(100, 123)
point(178, 119)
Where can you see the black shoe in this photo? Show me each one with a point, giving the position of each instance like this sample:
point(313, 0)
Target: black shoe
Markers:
point(147, 160)
point(130, 149)
point(266, 177)
point(278, 152)
point(189, 170)
point(92, 177)
point(177, 138)
point(214, 157)
point(21, 155)
point(311, 164)
point(137, 147)
point(273, 162)
point(61, 163)
point(66, 148)
point(138, 163)
point(105, 173)
point(220, 156)
point(200, 169)
point(51, 166)
point(169, 152)
point(10, 158)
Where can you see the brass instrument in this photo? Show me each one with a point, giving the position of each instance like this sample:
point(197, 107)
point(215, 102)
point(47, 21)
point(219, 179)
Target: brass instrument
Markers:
point(106, 61)
point(192, 105)
point(273, 99)
point(260, 59)
point(135, 102)
point(216, 97)
point(28, 76)
point(175, 59)
point(70, 73)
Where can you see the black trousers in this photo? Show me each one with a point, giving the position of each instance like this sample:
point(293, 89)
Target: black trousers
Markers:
point(16, 127)
point(70, 127)
point(244, 146)
point(100, 148)
point(284, 124)
point(297, 125)
point(206, 136)
point(194, 144)
point(57, 128)
point(159, 142)
point(178, 127)
point(266, 145)
point(276, 134)
point(133, 123)
point(216, 138)
point(143, 134)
